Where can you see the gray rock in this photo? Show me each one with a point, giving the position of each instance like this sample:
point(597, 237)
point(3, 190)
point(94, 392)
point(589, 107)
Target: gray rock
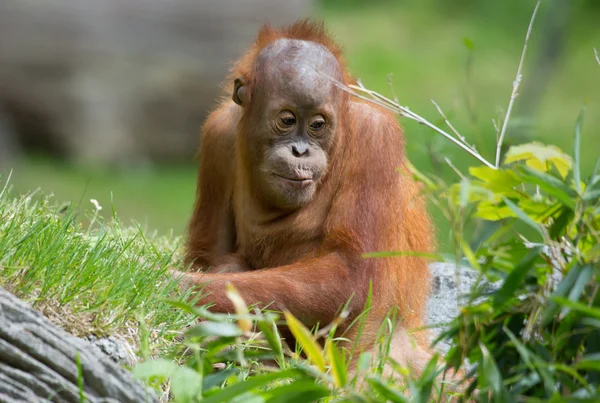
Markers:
point(113, 348)
point(38, 363)
point(449, 285)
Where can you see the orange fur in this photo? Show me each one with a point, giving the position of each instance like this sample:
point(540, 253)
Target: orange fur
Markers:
point(310, 262)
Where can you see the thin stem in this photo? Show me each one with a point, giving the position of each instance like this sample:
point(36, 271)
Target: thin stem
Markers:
point(516, 84)
point(403, 111)
point(597, 55)
point(441, 112)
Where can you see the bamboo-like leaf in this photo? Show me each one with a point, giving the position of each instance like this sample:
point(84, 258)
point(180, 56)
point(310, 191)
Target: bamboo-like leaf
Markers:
point(240, 307)
point(313, 350)
point(549, 184)
point(220, 329)
point(269, 330)
point(386, 391)
point(469, 255)
point(516, 277)
point(524, 217)
point(303, 390)
point(232, 391)
point(578, 307)
point(577, 151)
point(338, 366)
point(491, 377)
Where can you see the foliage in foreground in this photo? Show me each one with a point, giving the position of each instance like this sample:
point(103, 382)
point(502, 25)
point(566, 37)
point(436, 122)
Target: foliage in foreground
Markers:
point(536, 337)
point(529, 330)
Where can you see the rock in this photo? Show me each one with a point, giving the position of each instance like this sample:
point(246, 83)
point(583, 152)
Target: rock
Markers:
point(448, 287)
point(38, 363)
point(113, 348)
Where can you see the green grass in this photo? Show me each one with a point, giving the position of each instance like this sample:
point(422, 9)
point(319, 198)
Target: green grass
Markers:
point(95, 279)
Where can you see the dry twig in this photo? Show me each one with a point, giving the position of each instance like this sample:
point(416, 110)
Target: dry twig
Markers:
point(516, 84)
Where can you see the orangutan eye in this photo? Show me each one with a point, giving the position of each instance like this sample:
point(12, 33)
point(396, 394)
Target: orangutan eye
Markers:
point(285, 121)
point(316, 124)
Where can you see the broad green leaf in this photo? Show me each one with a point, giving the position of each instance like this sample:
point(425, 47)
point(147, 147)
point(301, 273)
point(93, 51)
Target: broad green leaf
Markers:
point(498, 181)
point(313, 350)
point(186, 385)
point(220, 329)
point(493, 212)
point(539, 156)
point(255, 382)
point(338, 366)
point(386, 390)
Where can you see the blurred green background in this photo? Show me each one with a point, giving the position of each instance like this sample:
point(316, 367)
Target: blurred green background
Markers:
point(463, 54)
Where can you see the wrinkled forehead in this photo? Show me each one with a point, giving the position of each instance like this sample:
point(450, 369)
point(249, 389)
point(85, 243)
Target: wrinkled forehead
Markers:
point(298, 69)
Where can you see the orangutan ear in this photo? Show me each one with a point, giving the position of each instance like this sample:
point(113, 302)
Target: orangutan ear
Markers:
point(239, 92)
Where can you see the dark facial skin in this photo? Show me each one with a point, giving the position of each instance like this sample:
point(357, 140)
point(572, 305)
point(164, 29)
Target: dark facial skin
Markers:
point(293, 120)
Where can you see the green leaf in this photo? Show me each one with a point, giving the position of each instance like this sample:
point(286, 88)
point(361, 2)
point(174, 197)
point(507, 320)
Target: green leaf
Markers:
point(219, 329)
point(515, 278)
point(491, 376)
point(549, 184)
point(216, 379)
point(228, 393)
point(159, 368)
point(304, 390)
point(583, 279)
point(338, 366)
point(469, 255)
point(591, 195)
point(589, 362)
point(499, 181)
point(186, 385)
point(560, 223)
point(578, 307)
point(306, 340)
point(539, 156)
point(524, 217)
point(552, 308)
point(386, 391)
point(577, 151)
point(269, 330)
